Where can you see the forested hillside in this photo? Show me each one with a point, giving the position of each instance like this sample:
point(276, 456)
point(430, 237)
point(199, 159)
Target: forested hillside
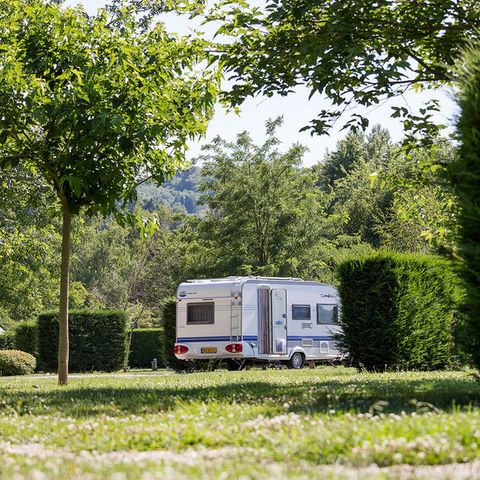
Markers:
point(180, 193)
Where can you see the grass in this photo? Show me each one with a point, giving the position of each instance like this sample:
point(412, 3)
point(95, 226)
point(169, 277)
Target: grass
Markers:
point(251, 424)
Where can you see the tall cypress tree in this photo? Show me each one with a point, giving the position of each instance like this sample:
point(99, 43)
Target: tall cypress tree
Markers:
point(466, 178)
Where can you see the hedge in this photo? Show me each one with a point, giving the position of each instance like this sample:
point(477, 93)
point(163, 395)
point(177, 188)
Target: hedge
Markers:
point(398, 311)
point(97, 340)
point(169, 314)
point(6, 341)
point(465, 172)
point(26, 338)
point(146, 344)
point(16, 362)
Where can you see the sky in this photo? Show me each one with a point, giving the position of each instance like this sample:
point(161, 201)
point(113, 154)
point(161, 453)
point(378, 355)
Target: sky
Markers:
point(296, 110)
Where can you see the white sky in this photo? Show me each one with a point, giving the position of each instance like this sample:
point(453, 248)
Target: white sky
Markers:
point(296, 109)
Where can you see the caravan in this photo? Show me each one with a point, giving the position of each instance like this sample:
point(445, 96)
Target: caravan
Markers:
point(270, 319)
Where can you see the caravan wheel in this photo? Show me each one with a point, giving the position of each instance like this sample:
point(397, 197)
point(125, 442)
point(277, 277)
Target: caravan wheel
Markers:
point(296, 360)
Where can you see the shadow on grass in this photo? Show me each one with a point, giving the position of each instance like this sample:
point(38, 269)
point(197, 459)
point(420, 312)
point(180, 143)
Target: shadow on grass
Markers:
point(373, 395)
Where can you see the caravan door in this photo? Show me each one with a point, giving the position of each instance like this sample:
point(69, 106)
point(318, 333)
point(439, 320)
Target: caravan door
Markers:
point(279, 320)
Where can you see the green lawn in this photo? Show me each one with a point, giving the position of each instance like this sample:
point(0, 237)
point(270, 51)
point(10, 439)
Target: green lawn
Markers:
point(251, 424)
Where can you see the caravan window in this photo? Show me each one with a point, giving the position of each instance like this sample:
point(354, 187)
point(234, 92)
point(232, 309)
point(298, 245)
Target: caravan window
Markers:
point(327, 314)
point(301, 312)
point(200, 313)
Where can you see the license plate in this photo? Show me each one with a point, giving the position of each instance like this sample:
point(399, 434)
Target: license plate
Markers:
point(209, 350)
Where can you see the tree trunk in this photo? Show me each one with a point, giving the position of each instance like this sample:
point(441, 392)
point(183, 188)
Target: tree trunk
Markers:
point(63, 318)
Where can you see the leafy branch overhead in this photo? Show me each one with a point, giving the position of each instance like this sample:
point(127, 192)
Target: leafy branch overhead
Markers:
point(356, 52)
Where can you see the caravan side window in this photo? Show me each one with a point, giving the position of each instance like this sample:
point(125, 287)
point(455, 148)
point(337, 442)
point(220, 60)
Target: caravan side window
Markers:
point(327, 314)
point(301, 312)
point(200, 313)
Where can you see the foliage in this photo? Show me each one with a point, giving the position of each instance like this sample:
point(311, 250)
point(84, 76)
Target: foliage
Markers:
point(65, 82)
point(353, 51)
point(356, 207)
point(28, 270)
point(466, 174)
point(251, 423)
point(97, 340)
point(6, 340)
point(398, 311)
point(384, 196)
point(264, 212)
point(26, 338)
point(169, 325)
point(423, 215)
point(16, 362)
point(146, 345)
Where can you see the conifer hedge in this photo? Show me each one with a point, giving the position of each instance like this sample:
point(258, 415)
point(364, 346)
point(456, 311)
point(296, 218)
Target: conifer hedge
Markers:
point(398, 311)
point(146, 345)
point(169, 314)
point(97, 340)
point(6, 341)
point(26, 338)
point(466, 178)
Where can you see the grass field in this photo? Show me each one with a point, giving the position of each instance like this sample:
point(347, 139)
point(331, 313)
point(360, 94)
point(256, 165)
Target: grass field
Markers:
point(321, 423)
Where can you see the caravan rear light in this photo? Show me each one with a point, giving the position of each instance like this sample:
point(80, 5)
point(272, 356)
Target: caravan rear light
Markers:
point(234, 348)
point(180, 349)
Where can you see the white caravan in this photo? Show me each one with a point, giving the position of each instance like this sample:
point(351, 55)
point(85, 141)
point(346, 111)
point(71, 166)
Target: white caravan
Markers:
point(271, 319)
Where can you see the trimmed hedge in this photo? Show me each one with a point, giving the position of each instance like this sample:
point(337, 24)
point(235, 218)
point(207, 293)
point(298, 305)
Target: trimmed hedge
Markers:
point(465, 173)
point(6, 341)
point(146, 345)
point(399, 311)
point(16, 362)
point(169, 314)
point(97, 340)
point(26, 338)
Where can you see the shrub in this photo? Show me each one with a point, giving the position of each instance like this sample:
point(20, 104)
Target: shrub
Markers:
point(466, 179)
point(97, 340)
point(398, 310)
point(146, 344)
point(169, 315)
point(16, 362)
point(26, 338)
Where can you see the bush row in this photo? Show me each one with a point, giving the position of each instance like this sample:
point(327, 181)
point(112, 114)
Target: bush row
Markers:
point(145, 345)
point(25, 338)
point(399, 311)
point(97, 340)
point(169, 312)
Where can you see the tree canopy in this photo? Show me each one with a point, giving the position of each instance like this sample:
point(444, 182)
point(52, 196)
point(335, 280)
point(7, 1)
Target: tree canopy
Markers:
point(352, 51)
point(264, 212)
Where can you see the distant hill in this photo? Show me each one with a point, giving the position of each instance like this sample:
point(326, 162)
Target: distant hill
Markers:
point(179, 194)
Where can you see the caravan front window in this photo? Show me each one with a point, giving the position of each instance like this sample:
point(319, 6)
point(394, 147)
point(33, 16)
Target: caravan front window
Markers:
point(200, 313)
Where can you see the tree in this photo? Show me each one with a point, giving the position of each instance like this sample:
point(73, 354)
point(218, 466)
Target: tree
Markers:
point(28, 246)
point(385, 196)
point(265, 214)
point(352, 51)
point(465, 174)
point(96, 104)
